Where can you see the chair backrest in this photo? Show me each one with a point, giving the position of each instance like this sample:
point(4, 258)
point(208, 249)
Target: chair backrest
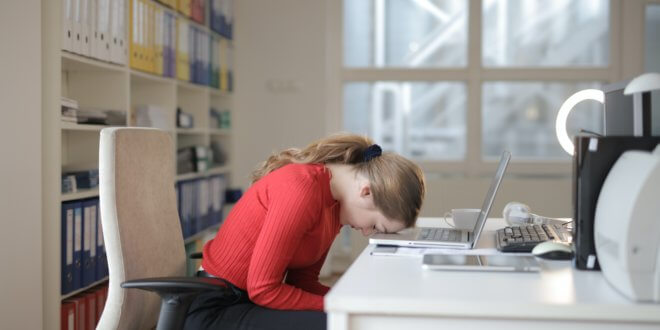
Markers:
point(140, 222)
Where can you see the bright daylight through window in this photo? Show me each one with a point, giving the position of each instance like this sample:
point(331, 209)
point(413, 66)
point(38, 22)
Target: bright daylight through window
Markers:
point(427, 119)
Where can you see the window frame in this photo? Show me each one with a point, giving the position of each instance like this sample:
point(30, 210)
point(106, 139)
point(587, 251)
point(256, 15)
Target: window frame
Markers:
point(626, 60)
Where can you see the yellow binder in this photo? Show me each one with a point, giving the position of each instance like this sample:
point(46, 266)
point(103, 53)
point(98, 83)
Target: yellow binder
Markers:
point(184, 7)
point(182, 64)
point(224, 50)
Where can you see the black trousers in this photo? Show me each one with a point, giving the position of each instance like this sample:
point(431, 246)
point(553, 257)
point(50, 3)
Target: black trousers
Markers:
point(216, 311)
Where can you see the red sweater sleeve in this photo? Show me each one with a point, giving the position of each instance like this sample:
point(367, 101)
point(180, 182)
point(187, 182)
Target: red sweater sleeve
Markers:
point(293, 209)
point(308, 278)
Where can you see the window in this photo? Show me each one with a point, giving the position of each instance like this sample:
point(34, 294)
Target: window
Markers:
point(442, 81)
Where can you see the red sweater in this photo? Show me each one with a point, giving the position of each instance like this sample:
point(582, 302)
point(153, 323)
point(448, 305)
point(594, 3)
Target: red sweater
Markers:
point(282, 226)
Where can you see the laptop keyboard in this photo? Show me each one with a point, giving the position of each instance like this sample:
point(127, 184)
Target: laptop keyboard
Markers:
point(525, 238)
point(440, 234)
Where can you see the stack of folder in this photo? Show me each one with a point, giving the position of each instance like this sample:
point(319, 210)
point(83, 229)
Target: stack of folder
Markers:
point(200, 203)
point(83, 311)
point(221, 17)
point(152, 38)
point(95, 28)
point(83, 254)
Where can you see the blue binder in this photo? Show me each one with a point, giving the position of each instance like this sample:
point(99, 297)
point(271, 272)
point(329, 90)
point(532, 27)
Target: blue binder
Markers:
point(100, 246)
point(89, 242)
point(77, 244)
point(67, 247)
point(104, 257)
point(192, 207)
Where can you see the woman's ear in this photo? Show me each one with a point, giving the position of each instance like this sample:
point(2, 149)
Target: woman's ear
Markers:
point(365, 190)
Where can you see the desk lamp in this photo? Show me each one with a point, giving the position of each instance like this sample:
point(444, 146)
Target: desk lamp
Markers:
point(565, 109)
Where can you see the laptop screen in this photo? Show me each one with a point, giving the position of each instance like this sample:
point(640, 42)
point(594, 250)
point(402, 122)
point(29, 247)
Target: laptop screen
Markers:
point(490, 196)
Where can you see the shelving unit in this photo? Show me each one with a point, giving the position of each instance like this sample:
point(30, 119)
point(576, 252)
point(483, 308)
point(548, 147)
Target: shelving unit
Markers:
point(98, 84)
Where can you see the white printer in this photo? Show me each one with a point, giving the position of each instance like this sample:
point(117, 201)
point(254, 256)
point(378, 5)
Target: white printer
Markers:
point(627, 225)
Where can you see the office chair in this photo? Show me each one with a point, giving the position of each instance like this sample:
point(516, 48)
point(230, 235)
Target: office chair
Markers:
point(142, 233)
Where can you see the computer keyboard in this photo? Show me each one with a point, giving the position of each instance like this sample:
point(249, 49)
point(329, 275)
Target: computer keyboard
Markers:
point(440, 234)
point(524, 238)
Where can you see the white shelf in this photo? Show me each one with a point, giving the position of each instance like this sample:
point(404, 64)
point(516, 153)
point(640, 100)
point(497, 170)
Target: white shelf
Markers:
point(220, 131)
point(68, 126)
point(219, 93)
point(209, 172)
point(73, 293)
point(191, 131)
point(81, 194)
point(75, 62)
point(192, 87)
point(218, 170)
point(141, 77)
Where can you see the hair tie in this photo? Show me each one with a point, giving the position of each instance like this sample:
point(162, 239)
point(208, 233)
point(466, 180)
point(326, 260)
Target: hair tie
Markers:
point(372, 152)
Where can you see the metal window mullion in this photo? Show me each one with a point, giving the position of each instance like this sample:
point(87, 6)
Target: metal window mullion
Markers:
point(403, 74)
point(547, 74)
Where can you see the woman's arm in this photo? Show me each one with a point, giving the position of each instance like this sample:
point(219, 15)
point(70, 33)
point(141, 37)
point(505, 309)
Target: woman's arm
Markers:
point(293, 208)
point(308, 278)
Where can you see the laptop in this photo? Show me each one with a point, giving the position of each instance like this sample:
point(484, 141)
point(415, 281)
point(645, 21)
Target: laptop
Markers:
point(447, 237)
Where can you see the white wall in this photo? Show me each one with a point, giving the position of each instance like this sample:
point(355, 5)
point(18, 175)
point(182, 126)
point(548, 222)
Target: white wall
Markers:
point(280, 79)
point(20, 165)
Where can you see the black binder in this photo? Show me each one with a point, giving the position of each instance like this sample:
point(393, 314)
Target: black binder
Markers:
point(594, 157)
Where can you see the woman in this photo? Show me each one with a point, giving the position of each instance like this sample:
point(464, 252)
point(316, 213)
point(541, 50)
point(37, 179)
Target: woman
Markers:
point(274, 241)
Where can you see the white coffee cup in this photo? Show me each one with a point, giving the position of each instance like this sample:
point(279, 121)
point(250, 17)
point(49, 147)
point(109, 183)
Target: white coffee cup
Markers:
point(462, 218)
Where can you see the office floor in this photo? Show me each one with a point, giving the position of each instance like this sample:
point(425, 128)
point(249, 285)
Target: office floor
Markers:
point(330, 280)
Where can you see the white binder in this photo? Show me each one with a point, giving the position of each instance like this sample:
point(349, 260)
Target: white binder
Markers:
point(67, 28)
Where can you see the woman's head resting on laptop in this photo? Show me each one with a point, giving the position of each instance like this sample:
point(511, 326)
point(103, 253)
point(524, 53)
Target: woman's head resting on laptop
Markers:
point(376, 191)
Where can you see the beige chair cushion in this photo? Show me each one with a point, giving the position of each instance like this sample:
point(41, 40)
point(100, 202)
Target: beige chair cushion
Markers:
point(140, 221)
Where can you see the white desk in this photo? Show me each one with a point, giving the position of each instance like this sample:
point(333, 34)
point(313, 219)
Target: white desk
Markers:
point(390, 292)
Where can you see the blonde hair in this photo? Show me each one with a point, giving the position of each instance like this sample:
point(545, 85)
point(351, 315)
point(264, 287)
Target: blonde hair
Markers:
point(397, 184)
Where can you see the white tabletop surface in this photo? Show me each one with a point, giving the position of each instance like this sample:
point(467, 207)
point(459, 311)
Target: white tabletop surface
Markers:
point(399, 285)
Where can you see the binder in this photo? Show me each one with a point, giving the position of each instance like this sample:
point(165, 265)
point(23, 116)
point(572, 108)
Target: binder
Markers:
point(119, 38)
point(230, 68)
point(78, 305)
point(133, 57)
point(229, 19)
point(93, 33)
point(77, 245)
point(193, 53)
point(115, 31)
point(166, 43)
point(76, 43)
point(197, 11)
point(184, 7)
point(67, 262)
point(85, 27)
point(90, 309)
point(101, 262)
point(202, 204)
point(102, 22)
point(67, 28)
point(214, 15)
point(103, 267)
point(172, 44)
point(224, 50)
point(206, 63)
point(158, 38)
point(150, 37)
point(68, 316)
point(100, 304)
point(182, 66)
point(88, 262)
